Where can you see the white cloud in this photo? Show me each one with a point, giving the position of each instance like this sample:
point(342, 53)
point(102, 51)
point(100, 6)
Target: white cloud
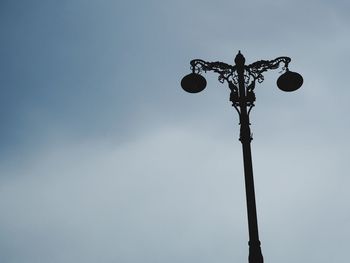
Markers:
point(174, 193)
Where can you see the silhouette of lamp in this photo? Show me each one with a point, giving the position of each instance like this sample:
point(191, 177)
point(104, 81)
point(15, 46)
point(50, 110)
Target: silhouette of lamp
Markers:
point(241, 81)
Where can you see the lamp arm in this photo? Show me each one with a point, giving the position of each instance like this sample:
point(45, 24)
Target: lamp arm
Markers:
point(224, 70)
point(257, 68)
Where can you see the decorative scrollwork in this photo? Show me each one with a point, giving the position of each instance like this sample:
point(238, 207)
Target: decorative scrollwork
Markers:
point(257, 68)
point(225, 71)
point(252, 73)
point(228, 72)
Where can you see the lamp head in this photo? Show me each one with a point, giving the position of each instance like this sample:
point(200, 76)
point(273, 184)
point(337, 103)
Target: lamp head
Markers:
point(290, 81)
point(193, 83)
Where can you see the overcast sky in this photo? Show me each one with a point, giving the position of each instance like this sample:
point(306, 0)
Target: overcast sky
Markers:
point(104, 158)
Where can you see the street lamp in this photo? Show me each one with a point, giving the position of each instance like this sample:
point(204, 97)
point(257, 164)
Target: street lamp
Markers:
point(241, 81)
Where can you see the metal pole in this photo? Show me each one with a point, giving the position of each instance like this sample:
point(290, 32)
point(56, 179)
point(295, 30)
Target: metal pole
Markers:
point(242, 98)
point(255, 255)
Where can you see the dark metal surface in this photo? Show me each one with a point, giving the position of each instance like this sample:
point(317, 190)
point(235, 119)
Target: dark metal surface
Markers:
point(241, 81)
point(251, 74)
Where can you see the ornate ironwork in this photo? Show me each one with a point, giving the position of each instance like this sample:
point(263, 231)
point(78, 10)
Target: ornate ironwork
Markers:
point(252, 73)
point(241, 81)
point(229, 73)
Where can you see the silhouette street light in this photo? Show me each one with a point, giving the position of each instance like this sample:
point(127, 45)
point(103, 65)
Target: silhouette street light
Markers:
point(241, 81)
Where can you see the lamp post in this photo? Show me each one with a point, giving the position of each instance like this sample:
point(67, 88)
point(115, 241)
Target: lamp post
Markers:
point(241, 81)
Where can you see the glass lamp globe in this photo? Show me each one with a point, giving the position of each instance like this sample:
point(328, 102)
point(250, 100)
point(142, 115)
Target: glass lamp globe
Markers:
point(290, 81)
point(193, 83)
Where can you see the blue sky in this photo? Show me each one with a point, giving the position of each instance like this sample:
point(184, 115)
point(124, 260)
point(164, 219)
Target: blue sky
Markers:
point(104, 158)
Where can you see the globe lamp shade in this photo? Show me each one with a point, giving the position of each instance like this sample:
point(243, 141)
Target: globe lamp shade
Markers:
point(193, 83)
point(290, 81)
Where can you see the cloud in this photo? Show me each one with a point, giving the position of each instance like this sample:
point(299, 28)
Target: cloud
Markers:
point(173, 195)
point(105, 159)
point(93, 201)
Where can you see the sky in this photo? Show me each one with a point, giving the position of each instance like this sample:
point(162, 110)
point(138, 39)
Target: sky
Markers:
point(104, 158)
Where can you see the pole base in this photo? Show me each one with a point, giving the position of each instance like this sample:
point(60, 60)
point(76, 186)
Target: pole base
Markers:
point(255, 255)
